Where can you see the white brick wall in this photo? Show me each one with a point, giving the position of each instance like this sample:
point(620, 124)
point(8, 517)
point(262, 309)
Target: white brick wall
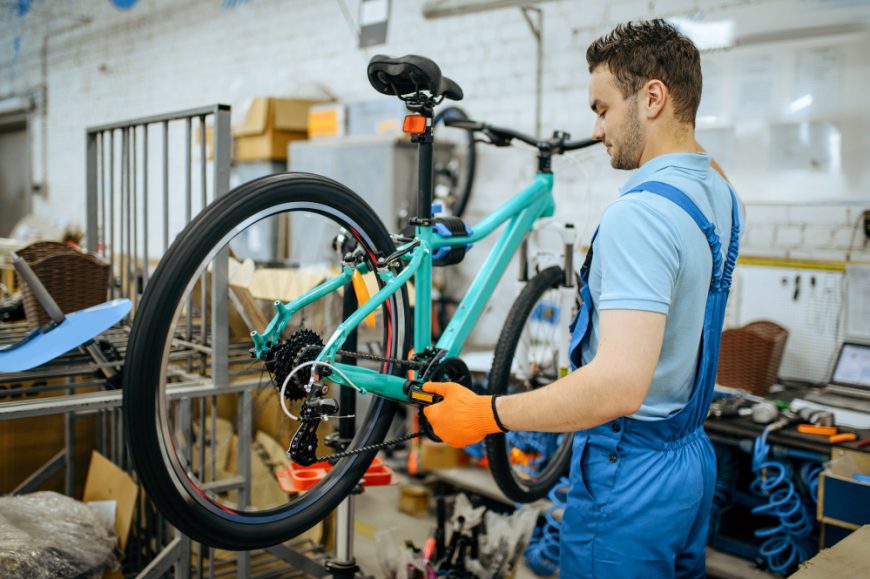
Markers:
point(164, 55)
point(830, 231)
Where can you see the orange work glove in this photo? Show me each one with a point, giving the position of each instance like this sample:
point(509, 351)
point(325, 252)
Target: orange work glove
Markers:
point(463, 417)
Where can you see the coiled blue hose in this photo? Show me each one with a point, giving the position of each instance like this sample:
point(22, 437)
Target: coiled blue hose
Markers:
point(809, 473)
point(541, 445)
point(788, 543)
point(542, 554)
point(476, 451)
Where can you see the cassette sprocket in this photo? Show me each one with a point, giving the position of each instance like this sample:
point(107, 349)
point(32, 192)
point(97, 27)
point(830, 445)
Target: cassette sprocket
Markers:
point(302, 346)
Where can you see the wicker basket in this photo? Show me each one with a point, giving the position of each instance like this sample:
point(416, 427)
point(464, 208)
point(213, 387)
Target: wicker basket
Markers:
point(749, 357)
point(74, 279)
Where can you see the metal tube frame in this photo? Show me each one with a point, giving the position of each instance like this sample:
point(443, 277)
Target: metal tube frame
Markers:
point(520, 213)
point(131, 196)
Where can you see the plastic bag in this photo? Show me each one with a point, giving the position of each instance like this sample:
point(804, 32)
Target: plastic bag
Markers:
point(48, 535)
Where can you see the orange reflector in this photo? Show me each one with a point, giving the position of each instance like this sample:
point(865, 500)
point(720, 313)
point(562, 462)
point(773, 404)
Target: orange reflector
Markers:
point(422, 396)
point(362, 296)
point(414, 124)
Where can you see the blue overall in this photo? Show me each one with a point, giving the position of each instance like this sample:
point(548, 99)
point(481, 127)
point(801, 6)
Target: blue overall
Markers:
point(641, 491)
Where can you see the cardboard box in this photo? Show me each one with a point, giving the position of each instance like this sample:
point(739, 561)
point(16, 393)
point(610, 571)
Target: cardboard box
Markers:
point(107, 482)
point(269, 125)
point(26, 444)
point(435, 455)
point(844, 501)
point(326, 120)
point(848, 558)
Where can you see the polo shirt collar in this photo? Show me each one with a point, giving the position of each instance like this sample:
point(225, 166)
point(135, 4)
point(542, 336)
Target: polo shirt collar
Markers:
point(688, 161)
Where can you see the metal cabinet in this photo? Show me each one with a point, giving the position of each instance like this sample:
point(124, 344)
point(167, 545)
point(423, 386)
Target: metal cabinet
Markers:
point(382, 170)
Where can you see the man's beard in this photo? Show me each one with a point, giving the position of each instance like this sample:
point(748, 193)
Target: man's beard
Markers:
point(626, 154)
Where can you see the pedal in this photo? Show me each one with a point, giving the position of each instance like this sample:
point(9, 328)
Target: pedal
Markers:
point(414, 391)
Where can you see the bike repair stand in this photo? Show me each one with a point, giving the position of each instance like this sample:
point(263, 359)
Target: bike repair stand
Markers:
point(344, 565)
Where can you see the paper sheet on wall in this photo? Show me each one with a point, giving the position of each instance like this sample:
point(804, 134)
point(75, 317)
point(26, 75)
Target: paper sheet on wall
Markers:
point(756, 87)
point(812, 146)
point(712, 109)
point(858, 302)
point(818, 81)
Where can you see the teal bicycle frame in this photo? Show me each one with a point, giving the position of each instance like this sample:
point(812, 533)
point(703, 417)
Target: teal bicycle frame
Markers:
point(520, 213)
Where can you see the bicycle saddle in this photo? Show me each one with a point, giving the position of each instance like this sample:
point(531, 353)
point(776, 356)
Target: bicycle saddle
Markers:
point(410, 74)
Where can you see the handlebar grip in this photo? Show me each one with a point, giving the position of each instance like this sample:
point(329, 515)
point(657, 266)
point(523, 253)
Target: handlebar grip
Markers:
point(581, 144)
point(464, 124)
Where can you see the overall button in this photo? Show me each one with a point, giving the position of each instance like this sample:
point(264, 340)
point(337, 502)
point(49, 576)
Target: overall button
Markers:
point(613, 458)
point(615, 426)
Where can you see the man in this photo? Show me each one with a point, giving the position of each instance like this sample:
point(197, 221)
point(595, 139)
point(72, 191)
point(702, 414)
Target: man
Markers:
point(646, 341)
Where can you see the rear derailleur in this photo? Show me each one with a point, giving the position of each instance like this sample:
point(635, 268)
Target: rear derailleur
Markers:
point(315, 410)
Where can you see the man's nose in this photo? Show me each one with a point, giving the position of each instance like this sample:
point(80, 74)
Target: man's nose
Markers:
point(598, 131)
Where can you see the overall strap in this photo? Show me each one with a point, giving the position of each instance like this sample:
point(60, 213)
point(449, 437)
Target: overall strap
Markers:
point(587, 263)
point(734, 243)
point(676, 196)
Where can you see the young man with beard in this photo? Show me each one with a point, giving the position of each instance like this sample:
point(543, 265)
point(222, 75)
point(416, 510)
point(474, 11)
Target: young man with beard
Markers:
point(645, 344)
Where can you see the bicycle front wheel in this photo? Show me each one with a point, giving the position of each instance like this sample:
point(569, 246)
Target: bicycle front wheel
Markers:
point(526, 465)
point(174, 409)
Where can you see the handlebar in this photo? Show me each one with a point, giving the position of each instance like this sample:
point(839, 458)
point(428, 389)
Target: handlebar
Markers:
point(581, 144)
point(502, 137)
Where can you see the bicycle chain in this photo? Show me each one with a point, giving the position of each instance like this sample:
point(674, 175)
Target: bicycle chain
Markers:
point(379, 445)
point(411, 364)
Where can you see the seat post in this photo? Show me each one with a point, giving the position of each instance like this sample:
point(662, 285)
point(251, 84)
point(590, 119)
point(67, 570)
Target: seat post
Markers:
point(425, 170)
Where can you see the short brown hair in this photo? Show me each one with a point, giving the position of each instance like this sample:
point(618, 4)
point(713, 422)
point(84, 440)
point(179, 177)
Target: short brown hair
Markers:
point(637, 52)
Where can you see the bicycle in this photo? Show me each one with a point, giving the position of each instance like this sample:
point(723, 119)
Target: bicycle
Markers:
point(369, 350)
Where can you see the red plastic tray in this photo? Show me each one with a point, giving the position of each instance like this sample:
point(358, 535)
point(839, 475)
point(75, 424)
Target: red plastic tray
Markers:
point(297, 478)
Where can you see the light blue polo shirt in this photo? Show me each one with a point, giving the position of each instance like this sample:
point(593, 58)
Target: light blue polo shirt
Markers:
point(650, 255)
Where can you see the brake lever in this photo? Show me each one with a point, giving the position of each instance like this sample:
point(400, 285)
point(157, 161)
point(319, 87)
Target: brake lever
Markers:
point(496, 140)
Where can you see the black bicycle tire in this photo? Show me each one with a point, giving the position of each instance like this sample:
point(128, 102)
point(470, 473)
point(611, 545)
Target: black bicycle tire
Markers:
point(461, 203)
point(141, 380)
point(499, 376)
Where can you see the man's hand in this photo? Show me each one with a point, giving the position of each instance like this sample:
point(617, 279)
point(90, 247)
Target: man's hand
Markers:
point(463, 417)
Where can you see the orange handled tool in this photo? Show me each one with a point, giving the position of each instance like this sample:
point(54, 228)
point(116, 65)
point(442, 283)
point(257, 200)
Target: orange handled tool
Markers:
point(845, 437)
point(820, 430)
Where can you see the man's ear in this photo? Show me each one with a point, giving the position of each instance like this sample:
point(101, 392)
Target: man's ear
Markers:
point(654, 95)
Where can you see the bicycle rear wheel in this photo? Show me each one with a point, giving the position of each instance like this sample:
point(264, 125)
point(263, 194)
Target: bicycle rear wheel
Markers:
point(171, 410)
point(526, 465)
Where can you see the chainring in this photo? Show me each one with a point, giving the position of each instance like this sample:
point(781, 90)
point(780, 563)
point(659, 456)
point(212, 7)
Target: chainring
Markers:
point(447, 370)
point(450, 370)
point(302, 346)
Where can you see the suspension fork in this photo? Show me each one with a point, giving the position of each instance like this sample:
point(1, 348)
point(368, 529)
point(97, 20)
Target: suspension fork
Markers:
point(567, 288)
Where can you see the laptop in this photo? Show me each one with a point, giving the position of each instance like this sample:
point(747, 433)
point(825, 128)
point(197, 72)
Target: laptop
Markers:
point(849, 386)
